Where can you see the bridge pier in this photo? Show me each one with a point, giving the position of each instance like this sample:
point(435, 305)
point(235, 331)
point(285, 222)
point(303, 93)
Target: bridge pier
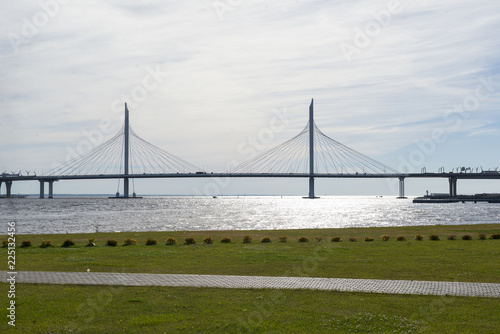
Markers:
point(401, 188)
point(453, 186)
point(311, 188)
point(42, 189)
point(8, 184)
point(125, 187)
point(51, 189)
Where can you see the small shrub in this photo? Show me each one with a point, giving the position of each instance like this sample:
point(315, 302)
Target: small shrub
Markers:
point(91, 243)
point(419, 237)
point(26, 243)
point(265, 240)
point(385, 237)
point(434, 237)
point(353, 239)
point(151, 242)
point(189, 241)
point(111, 242)
point(247, 239)
point(46, 243)
point(283, 238)
point(495, 236)
point(400, 238)
point(318, 239)
point(303, 239)
point(452, 237)
point(466, 237)
point(170, 241)
point(481, 236)
point(68, 243)
point(209, 240)
point(336, 239)
point(226, 240)
point(5, 243)
point(129, 242)
point(369, 239)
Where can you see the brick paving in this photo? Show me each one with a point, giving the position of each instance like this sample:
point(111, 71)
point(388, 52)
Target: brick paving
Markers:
point(491, 290)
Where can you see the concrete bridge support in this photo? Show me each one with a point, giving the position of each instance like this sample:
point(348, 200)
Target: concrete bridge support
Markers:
point(51, 189)
point(125, 187)
point(42, 189)
point(401, 187)
point(8, 184)
point(453, 186)
point(311, 187)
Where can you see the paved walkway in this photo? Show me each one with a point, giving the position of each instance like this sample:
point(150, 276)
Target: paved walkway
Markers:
point(260, 282)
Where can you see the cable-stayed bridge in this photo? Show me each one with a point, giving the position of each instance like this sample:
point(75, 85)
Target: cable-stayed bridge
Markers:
point(310, 154)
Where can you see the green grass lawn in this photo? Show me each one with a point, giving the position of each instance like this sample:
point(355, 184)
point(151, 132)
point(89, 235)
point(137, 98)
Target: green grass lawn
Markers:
point(444, 260)
point(100, 309)
point(112, 309)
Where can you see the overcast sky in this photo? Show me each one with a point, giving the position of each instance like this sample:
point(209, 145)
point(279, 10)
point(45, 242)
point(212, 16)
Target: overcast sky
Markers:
point(411, 84)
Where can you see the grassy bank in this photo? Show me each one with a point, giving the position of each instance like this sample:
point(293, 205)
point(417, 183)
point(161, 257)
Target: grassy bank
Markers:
point(445, 260)
point(97, 309)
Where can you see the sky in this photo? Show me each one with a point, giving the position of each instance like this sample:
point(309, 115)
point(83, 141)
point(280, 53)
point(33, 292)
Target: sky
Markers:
point(412, 84)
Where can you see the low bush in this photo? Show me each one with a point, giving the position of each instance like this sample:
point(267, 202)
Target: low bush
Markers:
point(46, 243)
point(226, 240)
point(170, 241)
point(452, 237)
point(68, 243)
point(111, 242)
point(151, 242)
point(481, 236)
point(353, 239)
point(247, 239)
point(419, 237)
point(336, 239)
point(466, 237)
point(129, 242)
point(26, 243)
point(495, 236)
point(189, 241)
point(265, 240)
point(400, 238)
point(385, 237)
point(369, 239)
point(209, 240)
point(318, 239)
point(283, 238)
point(5, 243)
point(433, 237)
point(91, 243)
point(303, 239)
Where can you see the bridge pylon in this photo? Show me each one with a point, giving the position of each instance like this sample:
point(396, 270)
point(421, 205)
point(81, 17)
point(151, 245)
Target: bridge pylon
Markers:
point(311, 151)
point(127, 132)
